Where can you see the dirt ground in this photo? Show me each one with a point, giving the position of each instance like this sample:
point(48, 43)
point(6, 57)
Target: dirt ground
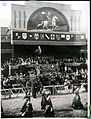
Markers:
point(61, 104)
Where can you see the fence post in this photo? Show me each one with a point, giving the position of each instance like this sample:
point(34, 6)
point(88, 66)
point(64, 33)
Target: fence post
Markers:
point(53, 90)
point(9, 93)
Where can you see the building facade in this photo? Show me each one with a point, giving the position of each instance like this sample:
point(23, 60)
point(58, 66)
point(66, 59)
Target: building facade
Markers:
point(54, 27)
point(21, 14)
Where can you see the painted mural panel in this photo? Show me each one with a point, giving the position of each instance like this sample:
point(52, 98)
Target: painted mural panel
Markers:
point(47, 18)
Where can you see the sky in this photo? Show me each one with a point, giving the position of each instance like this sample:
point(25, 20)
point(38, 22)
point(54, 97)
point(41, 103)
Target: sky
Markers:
point(84, 6)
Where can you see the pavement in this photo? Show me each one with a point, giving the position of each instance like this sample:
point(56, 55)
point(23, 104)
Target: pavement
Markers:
point(61, 104)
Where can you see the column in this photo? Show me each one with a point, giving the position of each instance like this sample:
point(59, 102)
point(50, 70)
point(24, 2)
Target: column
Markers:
point(14, 19)
point(19, 19)
point(24, 13)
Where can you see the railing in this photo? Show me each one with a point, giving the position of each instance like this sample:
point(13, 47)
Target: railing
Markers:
point(54, 89)
point(51, 89)
point(12, 92)
point(15, 92)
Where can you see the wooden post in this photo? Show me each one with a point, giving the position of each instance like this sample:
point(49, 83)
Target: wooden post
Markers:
point(9, 93)
point(53, 90)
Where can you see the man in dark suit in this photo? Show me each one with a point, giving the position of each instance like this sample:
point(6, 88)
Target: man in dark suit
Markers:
point(26, 98)
point(27, 109)
point(49, 111)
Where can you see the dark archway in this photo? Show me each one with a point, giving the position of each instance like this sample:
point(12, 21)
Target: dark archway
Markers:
point(42, 14)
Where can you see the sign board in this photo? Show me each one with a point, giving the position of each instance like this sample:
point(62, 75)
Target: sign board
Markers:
point(47, 36)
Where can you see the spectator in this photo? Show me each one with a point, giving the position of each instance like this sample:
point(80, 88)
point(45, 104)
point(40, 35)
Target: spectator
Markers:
point(28, 88)
point(28, 110)
point(76, 104)
point(43, 101)
point(26, 99)
point(49, 111)
point(34, 88)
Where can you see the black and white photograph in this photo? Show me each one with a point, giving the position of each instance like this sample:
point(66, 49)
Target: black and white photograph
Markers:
point(45, 59)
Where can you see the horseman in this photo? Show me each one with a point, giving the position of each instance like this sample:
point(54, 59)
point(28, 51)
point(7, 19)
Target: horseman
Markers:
point(49, 19)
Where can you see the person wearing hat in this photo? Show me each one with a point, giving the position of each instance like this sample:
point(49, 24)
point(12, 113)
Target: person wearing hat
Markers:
point(43, 100)
point(49, 111)
point(77, 104)
point(28, 110)
point(26, 99)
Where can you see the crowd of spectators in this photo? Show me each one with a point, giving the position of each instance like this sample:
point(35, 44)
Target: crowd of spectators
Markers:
point(57, 77)
point(52, 78)
point(41, 60)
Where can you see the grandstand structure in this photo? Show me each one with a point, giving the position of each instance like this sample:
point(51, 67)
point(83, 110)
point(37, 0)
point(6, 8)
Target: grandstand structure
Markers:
point(43, 52)
point(54, 29)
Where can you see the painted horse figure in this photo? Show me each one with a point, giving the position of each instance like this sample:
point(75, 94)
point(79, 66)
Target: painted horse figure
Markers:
point(45, 23)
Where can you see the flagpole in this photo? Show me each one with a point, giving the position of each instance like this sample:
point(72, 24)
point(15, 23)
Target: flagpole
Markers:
point(12, 43)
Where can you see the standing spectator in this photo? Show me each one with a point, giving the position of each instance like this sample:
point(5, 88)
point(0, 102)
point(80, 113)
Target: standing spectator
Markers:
point(5, 83)
point(9, 82)
point(66, 84)
point(34, 88)
point(43, 101)
point(63, 67)
point(28, 87)
point(39, 86)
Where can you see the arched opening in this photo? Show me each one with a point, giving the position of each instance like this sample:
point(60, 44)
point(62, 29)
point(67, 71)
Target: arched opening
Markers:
point(48, 14)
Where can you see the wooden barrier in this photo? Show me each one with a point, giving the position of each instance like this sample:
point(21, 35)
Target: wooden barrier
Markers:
point(49, 88)
point(53, 88)
point(6, 92)
point(12, 91)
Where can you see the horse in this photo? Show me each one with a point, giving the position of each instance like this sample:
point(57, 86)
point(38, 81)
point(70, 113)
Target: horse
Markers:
point(45, 23)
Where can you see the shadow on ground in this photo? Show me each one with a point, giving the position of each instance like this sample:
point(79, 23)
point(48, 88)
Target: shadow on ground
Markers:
point(58, 113)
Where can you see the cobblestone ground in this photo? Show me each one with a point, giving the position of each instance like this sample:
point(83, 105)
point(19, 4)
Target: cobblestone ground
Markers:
point(61, 104)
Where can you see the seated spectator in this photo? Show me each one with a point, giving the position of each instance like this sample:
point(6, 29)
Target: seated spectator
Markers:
point(49, 111)
point(27, 109)
point(76, 104)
